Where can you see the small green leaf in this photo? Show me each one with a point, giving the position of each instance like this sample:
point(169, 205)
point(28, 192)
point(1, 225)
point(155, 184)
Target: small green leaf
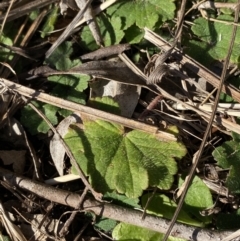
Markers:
point(106, 104)
point(122, 200)
point(225, 98)
point(105, 224)
point(197, 199)
point(82, 83)
point(61, 57)
point(69, 93)
point(125, 162)
point(138, 12)
point(129, 232)
point(110, 28)
point(67, 80)
point(216, 36)
point(5, 54)
point(69, 87)
point(34, 14)
point(78, 82)
point(50, 21)
point(5, 237)
point(228, 156)
point(195, 47)
point(134, 34)
point(162, 206)
point(236, 136)
point(34, 122)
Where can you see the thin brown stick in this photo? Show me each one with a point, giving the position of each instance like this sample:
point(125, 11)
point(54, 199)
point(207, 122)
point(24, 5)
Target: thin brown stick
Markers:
point(6, 15)
point(25, 9)
point(212, 4)
point(106, 52)
point(91, 112)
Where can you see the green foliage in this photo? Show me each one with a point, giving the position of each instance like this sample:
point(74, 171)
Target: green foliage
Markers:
point(134, 34)
point(138, 12)
point(106, 104)
point(34, 14)
point(105, 224)
point(33, 122)
point(215, 39)
point(125, 231)
point(79, 84)
point(197, 199)
point(225, 98)
point(68, 92)
point(60, 58)
point(125, 162)
point(122, 200)
point(129, 162)
point(228, 156)
point(111, 30)
point(4, 52)
point(127, 19)
point(50, 21)
point(162, 206)
point(69, 87)
point(4, 237)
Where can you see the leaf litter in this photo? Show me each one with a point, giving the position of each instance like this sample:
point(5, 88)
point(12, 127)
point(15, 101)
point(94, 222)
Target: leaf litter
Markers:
point(130, 163)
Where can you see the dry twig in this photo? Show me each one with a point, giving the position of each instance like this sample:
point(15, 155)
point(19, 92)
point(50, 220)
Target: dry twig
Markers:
point(196, 158)
point(111, 211)
point(91, 112)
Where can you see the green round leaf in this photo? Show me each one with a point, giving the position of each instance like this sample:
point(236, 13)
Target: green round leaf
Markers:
point(162, 206)
point(144, 13)
point(228, 156)
point(127, 163)
point(197, 199)
point(124, 231)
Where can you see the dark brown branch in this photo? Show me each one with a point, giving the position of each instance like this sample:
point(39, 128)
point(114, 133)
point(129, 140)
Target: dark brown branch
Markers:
point(106, 52)
point(111, 211)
